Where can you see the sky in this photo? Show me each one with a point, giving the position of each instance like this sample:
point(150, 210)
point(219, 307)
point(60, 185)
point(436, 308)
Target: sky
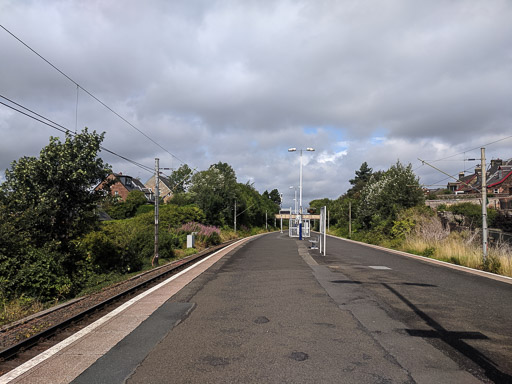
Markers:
point(241, 82)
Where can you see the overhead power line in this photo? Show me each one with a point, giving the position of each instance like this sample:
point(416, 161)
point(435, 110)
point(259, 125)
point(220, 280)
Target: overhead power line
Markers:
point(44, 120)
point(473, 149)
point(90, 94)
point(448, 177)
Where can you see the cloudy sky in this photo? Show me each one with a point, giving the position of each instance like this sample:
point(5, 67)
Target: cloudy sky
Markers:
point(242, 81)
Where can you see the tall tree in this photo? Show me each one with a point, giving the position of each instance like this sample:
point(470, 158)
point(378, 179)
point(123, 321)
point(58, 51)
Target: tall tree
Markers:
point(363, 175)
point(54, 192)
point(45, 204)
point(180, 179)
point(275, 196)
point(383, 197)
point(214, 192)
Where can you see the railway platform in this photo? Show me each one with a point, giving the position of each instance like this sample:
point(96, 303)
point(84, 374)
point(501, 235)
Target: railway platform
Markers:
point(257, 313)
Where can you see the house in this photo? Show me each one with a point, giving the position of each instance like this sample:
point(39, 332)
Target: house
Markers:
point(165, 192)
point(498, 179)
point(121, 185)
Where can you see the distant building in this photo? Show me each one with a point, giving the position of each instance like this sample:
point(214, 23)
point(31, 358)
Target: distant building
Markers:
point(164, 187)
point(121, 185)
point(498, 179)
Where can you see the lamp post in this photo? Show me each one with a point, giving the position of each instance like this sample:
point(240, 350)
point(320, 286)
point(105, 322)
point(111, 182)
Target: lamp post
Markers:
point(300, 187)
point(295, 202)
point(280, 209)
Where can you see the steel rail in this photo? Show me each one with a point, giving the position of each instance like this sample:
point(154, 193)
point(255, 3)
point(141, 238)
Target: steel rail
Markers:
point(32, 341)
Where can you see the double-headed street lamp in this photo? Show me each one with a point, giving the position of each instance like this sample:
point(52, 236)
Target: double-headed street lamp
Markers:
point(300, 187)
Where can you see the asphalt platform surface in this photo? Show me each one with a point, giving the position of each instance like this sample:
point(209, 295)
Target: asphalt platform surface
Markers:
point(274, 311)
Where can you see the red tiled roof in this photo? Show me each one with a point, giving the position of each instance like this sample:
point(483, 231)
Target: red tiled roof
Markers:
point(468, 181)
point(501, 181)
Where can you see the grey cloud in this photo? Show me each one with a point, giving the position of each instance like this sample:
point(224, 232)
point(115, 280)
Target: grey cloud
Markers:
point(241, 82)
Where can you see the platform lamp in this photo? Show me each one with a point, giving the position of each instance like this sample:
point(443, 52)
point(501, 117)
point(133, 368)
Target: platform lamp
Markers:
point(300, 186)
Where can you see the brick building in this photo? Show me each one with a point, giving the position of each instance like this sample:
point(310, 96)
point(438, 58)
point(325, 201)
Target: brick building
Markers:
point(498, 179)
point(121, 185)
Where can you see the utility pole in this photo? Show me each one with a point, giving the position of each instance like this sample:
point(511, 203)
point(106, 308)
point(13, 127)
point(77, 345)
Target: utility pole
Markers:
point(349, 219)
point(157, 198)
point(484, 205)
point(235, 216)
point(266, 220)
point(483, 193)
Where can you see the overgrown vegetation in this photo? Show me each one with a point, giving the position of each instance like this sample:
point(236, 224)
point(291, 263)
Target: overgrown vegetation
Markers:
point(387, 209)
point(46, 205)
point(53, 247)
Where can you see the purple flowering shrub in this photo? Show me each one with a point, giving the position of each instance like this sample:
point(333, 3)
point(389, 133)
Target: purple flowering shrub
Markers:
point(207, 234)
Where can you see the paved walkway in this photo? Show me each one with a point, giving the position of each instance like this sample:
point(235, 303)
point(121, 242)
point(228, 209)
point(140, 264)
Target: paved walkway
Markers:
point(265, 313)
point(68, 359)
point(261, 316)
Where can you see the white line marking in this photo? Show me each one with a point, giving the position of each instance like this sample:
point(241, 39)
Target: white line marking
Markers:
point(11, 375)
point(380, 267)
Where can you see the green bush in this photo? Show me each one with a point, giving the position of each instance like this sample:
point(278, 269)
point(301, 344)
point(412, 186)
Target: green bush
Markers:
point(102, 250)
point(172, 216)
point(473, 213)
point(129, 208)
point(442, 207)
point(38, 274)
point(144, 209)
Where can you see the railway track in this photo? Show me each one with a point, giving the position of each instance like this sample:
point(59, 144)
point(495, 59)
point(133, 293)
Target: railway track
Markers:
point(28, 337)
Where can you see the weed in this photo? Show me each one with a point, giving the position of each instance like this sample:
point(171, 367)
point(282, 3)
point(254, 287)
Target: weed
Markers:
point(18, 308)
point(428, 252)
point(492, 264)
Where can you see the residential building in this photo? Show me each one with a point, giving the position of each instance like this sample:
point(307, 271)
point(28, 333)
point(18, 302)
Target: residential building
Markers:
point(164, 187)
point(498, 179)
point(121, 185)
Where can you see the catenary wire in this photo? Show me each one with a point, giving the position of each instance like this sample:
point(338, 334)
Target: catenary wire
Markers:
point(472, 149)
point(90, 94)
point(63, 129)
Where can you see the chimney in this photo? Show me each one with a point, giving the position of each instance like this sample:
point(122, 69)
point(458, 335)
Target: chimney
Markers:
point(478, 172)
point(496, 162)
point(461, 175)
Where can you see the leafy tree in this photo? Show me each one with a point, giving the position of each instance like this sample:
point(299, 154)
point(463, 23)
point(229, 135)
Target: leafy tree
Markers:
point(128, 208)
point(182, 199)
point(275, 196)
point(214, 192)
point(383, 197)
point(180, 179)
point(318, 204)
point(249, 205)
point(53, 192)
point(46, 204)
